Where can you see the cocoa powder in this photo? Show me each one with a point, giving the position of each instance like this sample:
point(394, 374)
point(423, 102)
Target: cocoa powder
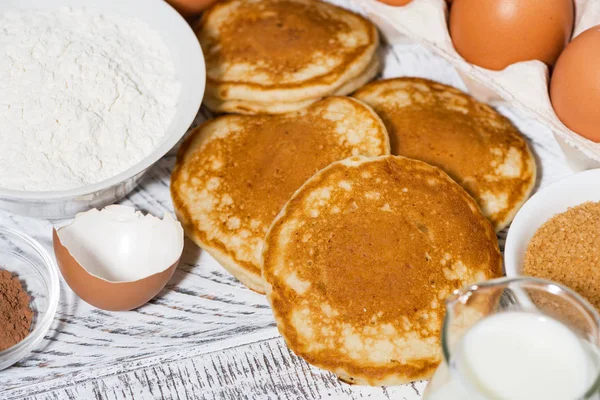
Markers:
point(15, 313)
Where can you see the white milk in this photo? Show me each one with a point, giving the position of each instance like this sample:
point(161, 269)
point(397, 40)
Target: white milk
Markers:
point(519, 355)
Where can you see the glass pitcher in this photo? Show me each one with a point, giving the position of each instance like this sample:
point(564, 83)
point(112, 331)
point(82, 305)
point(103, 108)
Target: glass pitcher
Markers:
point(518, 338)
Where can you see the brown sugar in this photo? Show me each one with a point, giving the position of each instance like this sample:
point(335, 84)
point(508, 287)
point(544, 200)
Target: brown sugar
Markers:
point(15, 314)
point(566, 249)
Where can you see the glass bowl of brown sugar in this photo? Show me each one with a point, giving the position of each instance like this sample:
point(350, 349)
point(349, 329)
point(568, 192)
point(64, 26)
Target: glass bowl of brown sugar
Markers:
point(29, 292)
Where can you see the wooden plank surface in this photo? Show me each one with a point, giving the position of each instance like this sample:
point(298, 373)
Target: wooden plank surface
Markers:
point(205, 335)
point(264, 369)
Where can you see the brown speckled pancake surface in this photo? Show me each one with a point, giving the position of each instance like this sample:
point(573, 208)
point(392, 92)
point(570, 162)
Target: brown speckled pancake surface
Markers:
point(474, 144)
point(284, 50)
point(235, 173)
point(360, 260)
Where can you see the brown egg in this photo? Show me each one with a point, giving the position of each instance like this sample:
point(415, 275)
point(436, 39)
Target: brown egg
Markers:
point(118, 259)
point(190, 8)
point(494, 34)
point(395, 2)
point(575, 85)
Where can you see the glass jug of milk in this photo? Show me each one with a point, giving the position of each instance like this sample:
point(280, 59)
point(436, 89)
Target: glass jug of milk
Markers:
point(520, 338)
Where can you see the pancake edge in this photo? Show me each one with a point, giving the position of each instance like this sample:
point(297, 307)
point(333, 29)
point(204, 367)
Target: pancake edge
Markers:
point(514, 210)
point(246, 277)
point(283, 107)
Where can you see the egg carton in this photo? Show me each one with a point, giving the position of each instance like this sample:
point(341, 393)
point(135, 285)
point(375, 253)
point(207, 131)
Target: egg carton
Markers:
point(522, 85)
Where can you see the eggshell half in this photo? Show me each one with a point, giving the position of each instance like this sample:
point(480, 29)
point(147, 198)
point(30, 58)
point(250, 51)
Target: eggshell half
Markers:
point(108, 289)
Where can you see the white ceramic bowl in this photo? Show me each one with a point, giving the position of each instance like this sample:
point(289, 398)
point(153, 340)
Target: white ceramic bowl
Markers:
point(189, 65)
point(551, 200)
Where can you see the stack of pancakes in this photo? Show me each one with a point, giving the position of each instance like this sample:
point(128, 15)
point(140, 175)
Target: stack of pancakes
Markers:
point(357, 216)
point(277, 56)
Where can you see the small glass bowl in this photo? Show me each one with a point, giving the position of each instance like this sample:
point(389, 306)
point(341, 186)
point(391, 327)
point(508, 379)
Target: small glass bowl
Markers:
point(23, 256)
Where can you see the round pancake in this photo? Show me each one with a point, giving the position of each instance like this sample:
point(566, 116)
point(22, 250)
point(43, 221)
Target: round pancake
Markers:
point(283, 50)
point(280, 107)
point(470, 141)
point(234, 173)
point(358, 263)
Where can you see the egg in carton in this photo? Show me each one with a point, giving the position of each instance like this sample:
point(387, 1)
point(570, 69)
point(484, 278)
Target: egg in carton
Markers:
point(523, 85)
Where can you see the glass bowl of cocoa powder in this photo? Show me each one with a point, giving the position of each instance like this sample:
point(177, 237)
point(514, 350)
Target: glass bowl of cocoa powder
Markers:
point(29, 291)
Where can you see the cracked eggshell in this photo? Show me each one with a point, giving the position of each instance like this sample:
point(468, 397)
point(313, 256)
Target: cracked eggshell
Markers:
point(117, 259)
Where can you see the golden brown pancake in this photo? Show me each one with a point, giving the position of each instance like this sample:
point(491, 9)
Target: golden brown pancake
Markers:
point(266, 51)
point(474, 144)
point(234, 173)
point(358, 263)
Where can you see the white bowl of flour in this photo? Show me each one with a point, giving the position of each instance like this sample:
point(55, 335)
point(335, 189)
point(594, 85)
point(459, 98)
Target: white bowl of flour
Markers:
point(92, 93)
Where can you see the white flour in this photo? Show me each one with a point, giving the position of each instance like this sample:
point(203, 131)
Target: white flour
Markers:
point(83, 97)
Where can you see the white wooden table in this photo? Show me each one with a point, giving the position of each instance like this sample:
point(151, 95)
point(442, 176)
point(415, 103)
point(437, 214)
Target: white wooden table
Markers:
point(205, 336)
